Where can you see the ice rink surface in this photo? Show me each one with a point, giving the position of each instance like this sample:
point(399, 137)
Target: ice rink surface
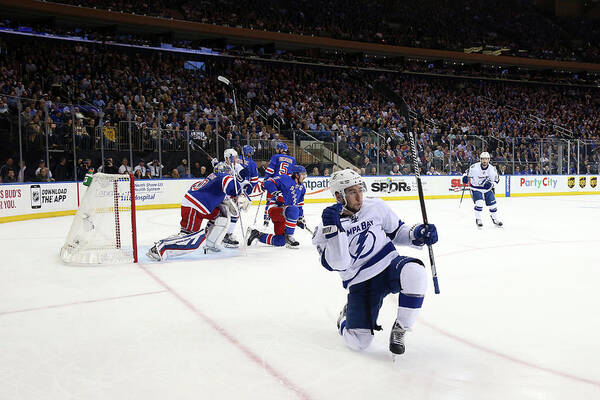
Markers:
point(517, 317)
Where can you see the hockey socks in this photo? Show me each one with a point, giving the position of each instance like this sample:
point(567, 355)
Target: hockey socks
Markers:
point(274, 240)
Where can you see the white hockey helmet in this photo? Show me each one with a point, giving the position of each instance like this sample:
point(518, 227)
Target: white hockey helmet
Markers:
point(229, 155)
point(341, 180)
point(485, 154)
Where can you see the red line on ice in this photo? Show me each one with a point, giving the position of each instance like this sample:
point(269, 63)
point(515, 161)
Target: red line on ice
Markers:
point(497, 353)
point(75, 303)
point(231, 339)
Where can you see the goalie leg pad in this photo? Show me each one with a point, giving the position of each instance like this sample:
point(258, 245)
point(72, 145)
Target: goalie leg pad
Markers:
point(180, 244)
point(215, 234)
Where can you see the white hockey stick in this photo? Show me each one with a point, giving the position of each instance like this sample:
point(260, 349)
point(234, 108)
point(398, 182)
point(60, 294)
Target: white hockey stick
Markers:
point(238, 189)
point(258, 208)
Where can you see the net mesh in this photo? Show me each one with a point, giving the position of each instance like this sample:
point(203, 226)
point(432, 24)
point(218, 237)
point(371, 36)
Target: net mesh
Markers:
point(102, 231)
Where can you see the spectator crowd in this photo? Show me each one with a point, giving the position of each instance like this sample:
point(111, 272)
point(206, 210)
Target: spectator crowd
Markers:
point(167, 106)
point(510, 27)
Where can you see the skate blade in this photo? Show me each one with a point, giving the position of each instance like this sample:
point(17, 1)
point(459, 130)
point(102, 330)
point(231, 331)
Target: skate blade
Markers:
point(292, 247)
point(153, 257)
point(231, 246)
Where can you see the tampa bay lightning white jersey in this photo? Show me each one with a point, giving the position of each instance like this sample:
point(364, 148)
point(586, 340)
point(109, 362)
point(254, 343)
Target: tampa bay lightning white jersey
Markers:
point(366, 248)
point(479, 175)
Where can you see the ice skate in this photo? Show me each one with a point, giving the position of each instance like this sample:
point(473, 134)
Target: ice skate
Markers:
point(252, 235)
point(211, 249)
point(154, 254)
point(478, 223)
point(397, 338)
point(291, 243)
point(341, 321)
point(230, 241)
point(497, 222)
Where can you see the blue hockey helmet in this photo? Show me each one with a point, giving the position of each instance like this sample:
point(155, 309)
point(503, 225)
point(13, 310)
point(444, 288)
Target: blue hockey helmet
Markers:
point(298, 169)
point(248, 150)
point(282, 146)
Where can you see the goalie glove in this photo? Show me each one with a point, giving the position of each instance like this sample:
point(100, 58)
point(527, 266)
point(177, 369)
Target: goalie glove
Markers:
point(228, 208)
point(243, 202)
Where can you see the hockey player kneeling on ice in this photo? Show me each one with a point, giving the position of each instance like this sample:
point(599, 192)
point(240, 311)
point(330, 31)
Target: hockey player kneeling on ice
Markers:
point(356, 238)
point(213, 199)
point(281, 163)
point(287, 195)
point(482, 176)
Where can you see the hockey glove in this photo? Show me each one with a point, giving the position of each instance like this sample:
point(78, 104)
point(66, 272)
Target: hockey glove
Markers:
point(277, 197)
point(423, 234)
point(331, 220)
point(243, 202)
point(465, 179)
point(246, 187)
point(301, 223)
point(487, 185)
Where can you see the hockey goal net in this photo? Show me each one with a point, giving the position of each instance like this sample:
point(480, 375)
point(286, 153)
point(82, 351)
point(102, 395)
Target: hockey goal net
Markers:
point(104, 229)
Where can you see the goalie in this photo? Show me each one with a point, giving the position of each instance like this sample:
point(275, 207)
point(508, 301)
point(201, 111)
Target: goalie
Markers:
point(217, 199)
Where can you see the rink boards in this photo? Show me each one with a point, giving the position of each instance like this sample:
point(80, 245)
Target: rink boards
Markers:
point(42, 200)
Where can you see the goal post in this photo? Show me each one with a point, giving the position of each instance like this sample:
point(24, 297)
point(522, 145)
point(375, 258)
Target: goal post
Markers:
point(104, 228)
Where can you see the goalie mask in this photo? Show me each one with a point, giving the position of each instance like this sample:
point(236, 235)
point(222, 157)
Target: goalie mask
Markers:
point(341, 180)
point(223, 168)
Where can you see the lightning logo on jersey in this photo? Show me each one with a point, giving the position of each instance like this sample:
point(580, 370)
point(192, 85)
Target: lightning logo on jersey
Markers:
point(367, 247)
point(362, 245)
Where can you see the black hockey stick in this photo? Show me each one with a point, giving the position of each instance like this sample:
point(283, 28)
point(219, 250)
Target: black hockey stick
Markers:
point(463, 191)
point(404, 111)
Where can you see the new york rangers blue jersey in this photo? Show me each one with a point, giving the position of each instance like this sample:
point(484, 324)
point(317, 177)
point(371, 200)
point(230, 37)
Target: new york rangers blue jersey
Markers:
point(367, 246)
point(292, 193)
point(280, 164)
point(249, 171)
point(207, 194)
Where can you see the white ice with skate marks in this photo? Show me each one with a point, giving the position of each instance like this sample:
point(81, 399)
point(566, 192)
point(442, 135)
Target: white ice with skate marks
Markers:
point(517, 317)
